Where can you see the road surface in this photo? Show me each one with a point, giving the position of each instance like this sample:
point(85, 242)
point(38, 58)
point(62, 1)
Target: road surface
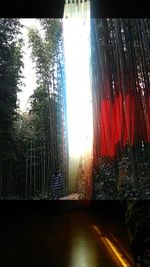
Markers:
point(42, 238)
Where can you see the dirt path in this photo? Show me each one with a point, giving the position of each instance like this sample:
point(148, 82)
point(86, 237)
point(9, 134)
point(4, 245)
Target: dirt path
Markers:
point(73, 196)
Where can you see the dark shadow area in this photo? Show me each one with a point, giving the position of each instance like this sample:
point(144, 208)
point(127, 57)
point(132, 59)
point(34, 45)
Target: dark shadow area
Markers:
point(55, 8)
point(57, 233)
point(118, 9)
point(32, 9)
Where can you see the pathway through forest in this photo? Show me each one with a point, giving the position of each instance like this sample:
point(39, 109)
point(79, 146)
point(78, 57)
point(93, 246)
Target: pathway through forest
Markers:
point(73, 196)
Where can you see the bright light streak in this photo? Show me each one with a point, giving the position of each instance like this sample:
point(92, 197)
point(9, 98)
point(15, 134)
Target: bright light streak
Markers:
point(78, 84)
point(97, 230)
point(113, 250)
point(118, 255)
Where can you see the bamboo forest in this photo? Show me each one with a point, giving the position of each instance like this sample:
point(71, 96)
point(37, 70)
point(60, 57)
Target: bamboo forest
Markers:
point(35, 158)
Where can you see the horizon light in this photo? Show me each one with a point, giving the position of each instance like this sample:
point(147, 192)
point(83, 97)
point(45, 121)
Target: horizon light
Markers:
point(78, 86)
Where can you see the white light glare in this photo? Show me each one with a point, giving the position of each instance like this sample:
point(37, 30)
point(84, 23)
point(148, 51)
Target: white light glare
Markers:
point(78, 83)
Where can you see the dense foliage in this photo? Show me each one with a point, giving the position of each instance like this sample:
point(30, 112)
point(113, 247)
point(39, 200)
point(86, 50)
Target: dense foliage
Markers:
point(10, 78)
point(46, 151)
point(121, 106)
point(34, 145)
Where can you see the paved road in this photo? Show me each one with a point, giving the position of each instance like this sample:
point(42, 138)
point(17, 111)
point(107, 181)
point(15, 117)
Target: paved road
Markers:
point(51, 240)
